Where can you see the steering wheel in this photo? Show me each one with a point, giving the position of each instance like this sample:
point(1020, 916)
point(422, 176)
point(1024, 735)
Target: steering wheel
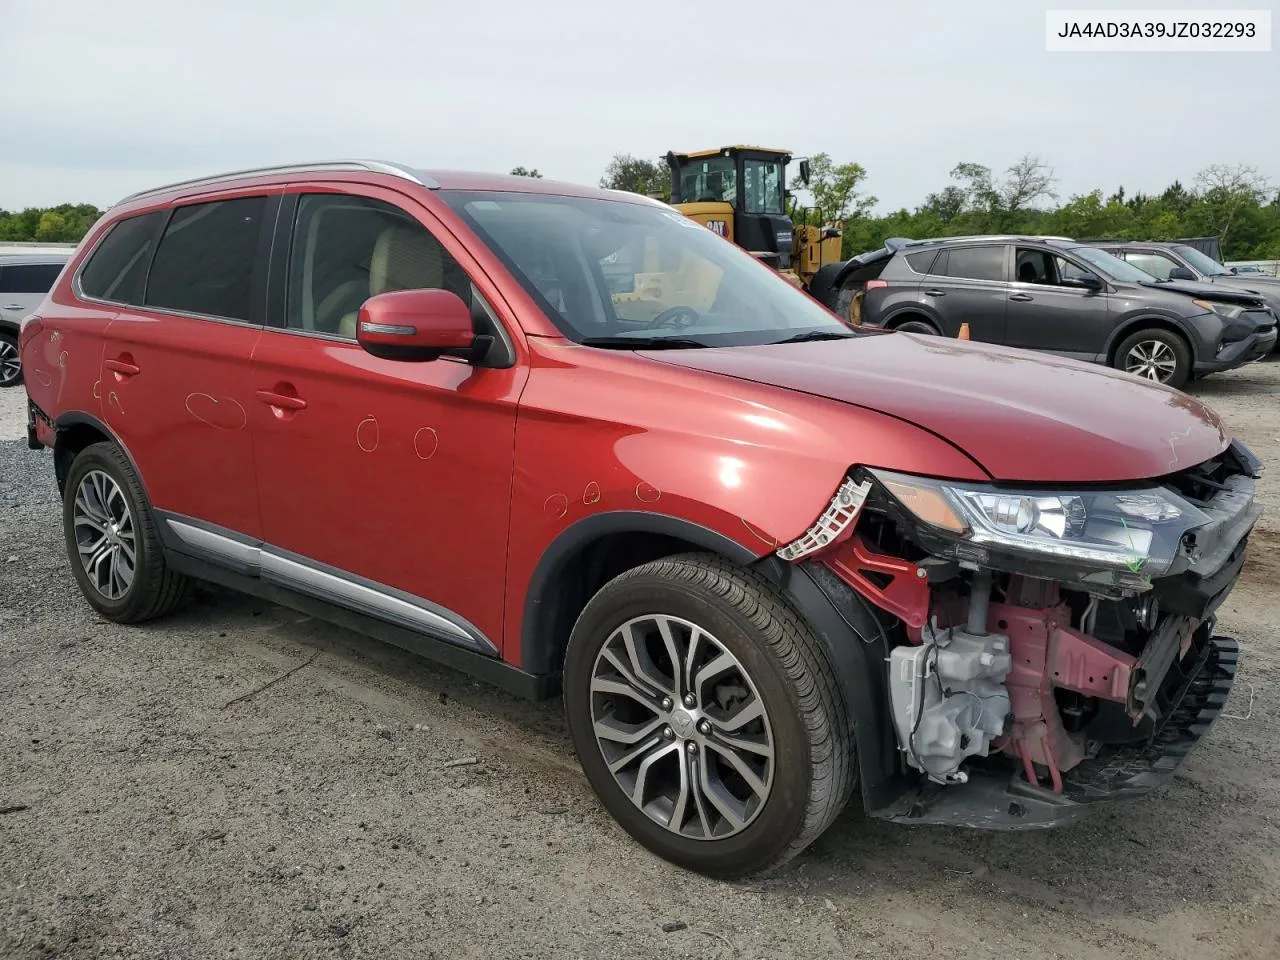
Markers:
point(677, 316)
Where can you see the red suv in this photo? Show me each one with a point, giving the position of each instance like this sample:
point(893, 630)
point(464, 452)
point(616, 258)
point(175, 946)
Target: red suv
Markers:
point(568, 439)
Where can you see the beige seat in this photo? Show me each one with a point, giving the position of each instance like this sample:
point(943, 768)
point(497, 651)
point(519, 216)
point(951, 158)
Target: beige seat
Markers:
point(404, 258)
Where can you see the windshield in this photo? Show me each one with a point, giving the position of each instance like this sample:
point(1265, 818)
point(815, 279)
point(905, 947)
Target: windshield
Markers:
point(1112, 267)
point(609, 269)
point(714, 180)
point(1204, 264)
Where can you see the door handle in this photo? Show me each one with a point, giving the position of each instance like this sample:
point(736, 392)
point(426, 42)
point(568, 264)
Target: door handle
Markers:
point(123, 367)
point(936, 293)
point(13, 306)
point(282, 400)
point(1021, 297)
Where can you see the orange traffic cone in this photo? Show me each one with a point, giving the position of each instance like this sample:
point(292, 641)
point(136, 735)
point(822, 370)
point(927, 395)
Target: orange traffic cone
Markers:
point(964, 332)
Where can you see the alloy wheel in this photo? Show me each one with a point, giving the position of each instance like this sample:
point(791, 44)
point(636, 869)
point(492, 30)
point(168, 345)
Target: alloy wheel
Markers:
point(104, 533)
point(1153, 359)
point(682, 728)
point(10, 364)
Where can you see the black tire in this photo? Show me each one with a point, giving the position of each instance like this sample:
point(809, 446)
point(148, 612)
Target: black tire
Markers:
point(814, 767)
point(1180, 371)
point(9, 375)
point(155, 589)
point(917, 326)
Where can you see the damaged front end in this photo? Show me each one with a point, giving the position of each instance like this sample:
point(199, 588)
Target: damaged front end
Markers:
point(1043, 649)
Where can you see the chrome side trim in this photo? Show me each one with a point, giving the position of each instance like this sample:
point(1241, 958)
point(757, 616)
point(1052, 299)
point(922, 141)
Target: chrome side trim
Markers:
point(303, 575)
point(374, 166)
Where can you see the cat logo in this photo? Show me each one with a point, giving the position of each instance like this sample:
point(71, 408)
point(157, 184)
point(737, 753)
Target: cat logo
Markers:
point(718, 226)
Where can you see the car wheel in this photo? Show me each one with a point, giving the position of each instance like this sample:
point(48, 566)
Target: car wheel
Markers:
point(10, 363)
point(1156, 355)
point(844, 308)
point(707, 717)
point(112, 541)
point(917, 326)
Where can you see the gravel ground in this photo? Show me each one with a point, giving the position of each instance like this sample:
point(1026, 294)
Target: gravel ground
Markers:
point(152, 804)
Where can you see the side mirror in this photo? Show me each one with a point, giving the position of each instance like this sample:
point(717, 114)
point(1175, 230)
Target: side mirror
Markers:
point(1086, 282)
point(1181, 273)
point(417, 325)
point(1233, 269)
point(804, 172)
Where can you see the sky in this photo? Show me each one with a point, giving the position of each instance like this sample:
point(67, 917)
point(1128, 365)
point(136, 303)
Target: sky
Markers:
point(98, 99)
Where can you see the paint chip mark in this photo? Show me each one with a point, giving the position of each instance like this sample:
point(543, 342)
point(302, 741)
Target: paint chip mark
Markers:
point(221, 413)
point(647, 492)
point(367, 434)
point(426, 442)
point(114, 401)
point(760, 535)
point(556, 506)
point(62, 360)
point(43, 377)
point(591, 494)
point(97, 390)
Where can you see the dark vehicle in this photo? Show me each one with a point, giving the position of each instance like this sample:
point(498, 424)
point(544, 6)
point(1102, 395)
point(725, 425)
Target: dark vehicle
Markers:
point(1179, 261)
point(1051, 294)
point(25, 277)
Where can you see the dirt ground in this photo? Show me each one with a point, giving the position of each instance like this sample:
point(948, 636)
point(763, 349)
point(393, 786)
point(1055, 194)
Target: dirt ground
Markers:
point(146, 810)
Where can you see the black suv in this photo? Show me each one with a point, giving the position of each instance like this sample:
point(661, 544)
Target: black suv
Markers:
point(1051, 294)
point(1178, 261)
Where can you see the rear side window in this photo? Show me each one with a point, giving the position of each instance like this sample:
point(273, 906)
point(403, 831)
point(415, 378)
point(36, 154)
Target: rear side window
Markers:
point(117, 270)
point(28, 277)
point(921, 262)
point(205, 261)
point(976, 263)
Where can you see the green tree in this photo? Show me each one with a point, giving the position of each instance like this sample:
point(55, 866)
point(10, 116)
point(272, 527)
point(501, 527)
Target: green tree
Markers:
point(637, 175)
point(835, 189)
point(525, 172)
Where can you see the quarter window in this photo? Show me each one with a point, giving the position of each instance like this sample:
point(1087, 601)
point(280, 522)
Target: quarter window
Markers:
point(117, 270)
point(205, 261)
point(920, 262)
point(976, 263)
point(28, 277)
point(347, 249)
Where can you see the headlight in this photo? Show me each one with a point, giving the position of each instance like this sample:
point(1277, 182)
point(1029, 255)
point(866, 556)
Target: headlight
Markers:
point(1228, 310)
point(1139, 531)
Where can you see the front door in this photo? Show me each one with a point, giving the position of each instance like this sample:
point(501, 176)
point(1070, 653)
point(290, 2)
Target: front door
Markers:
point(384, 484)
point(1044, 314)
point(174, 384)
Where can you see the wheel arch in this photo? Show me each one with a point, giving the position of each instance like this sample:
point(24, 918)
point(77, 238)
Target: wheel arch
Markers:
point(912, 311)
point(588, 554)
point(77, 430)
point(1147, 322)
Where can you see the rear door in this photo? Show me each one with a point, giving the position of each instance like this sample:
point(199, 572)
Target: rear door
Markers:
point(1047, 314)
point(969, 284)
point(176, 384)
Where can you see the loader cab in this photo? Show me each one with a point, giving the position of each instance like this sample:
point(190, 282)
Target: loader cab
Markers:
point(740, 192)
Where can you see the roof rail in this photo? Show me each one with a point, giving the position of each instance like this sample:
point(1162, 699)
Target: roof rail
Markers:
point(373, 166)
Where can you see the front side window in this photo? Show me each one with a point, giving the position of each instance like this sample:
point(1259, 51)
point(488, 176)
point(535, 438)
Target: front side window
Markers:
point(28, 277)
point(763, 186)
point(606, 269)
point(709, 180)
point(1153, 263)
point(205, 260)
point(347, 249)
point(117, 269)
point(976, 263)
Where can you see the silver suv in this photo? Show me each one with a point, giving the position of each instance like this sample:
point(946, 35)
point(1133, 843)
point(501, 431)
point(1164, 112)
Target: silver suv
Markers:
point(27, 271)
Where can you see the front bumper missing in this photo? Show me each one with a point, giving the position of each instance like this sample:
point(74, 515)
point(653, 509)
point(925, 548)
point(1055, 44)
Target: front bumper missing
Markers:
point(1194, 695)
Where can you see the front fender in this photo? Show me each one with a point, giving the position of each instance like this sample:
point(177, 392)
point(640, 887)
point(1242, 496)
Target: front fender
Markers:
point(1200, 331)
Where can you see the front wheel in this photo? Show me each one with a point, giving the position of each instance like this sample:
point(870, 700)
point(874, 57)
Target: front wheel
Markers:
point(707, 717)
point(1156, 355)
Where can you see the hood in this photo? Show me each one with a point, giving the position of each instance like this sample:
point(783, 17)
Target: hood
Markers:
point(1207, 290)
point(1265, 287)
point(1022, 416)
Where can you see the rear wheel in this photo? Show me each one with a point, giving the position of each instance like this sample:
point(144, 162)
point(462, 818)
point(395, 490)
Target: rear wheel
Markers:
point(1156, 355)
point(112, 541)
point(706, 716)
point(917, 326)
point(10, 364)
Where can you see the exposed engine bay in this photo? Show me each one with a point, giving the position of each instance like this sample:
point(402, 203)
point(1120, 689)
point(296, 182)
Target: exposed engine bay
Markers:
point(1043, 662)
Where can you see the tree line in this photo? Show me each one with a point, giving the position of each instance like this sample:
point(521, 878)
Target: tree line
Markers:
point(1236, 203)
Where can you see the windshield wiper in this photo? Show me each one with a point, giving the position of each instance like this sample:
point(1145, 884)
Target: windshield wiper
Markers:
point(643, 343)
point(816, 335)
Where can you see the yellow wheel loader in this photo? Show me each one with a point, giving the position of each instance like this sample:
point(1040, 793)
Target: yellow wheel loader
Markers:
point(740, 192)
